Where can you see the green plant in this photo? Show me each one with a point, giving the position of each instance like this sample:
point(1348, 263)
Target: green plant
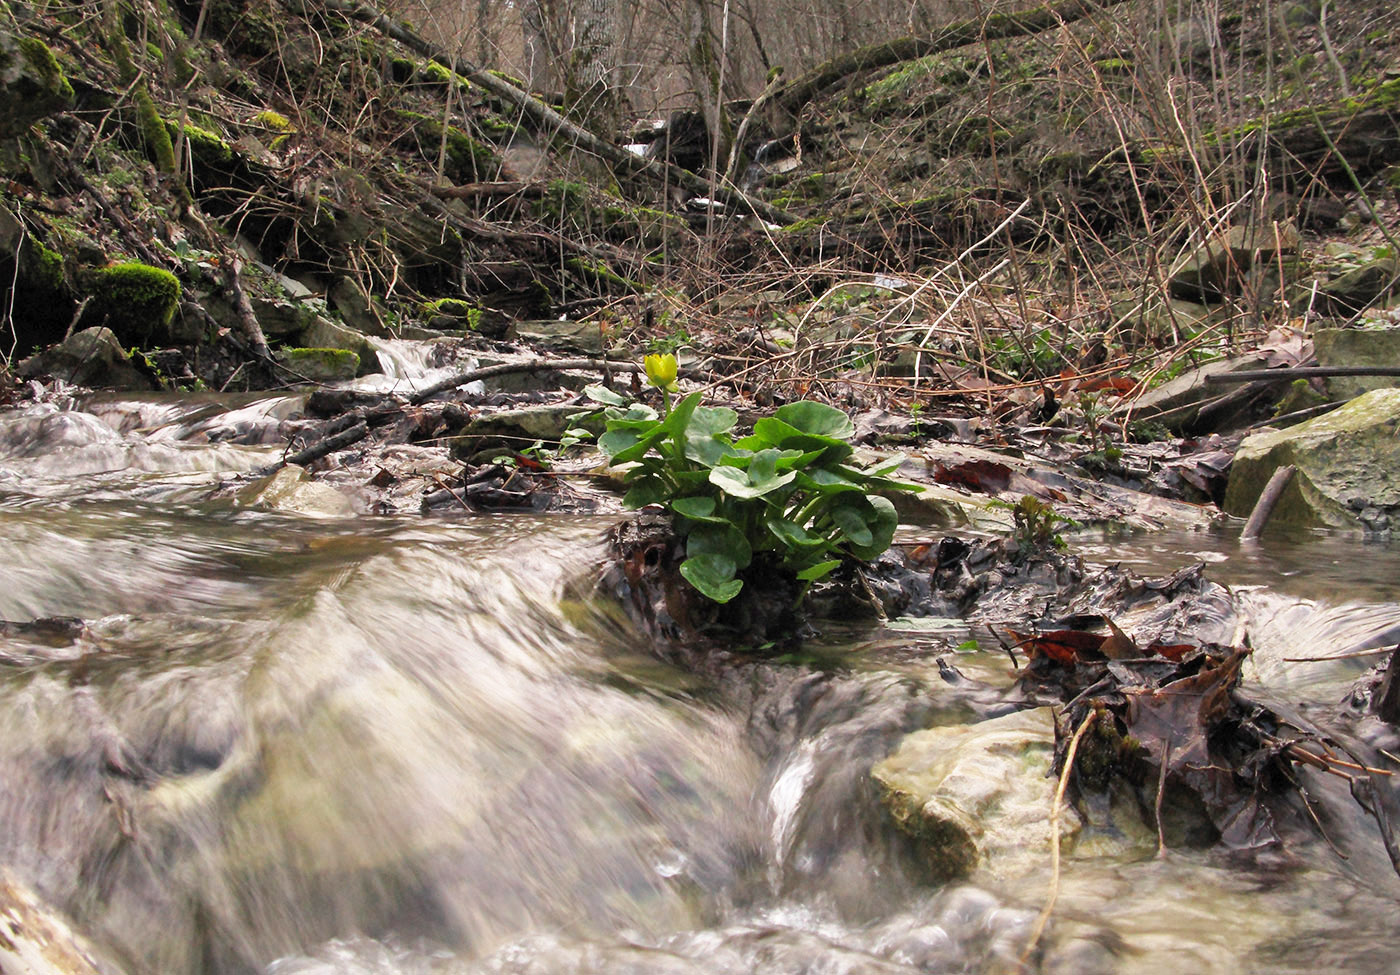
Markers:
point(788, 493)
point(1037, 524)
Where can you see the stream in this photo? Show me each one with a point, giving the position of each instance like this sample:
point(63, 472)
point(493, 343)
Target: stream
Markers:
point(289, 745)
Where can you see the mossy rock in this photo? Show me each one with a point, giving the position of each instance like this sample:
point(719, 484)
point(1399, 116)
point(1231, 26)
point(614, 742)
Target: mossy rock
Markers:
point(319, 365)
point(32, 85)
point(1347, 467)
point(466, 161)
point(138, 301)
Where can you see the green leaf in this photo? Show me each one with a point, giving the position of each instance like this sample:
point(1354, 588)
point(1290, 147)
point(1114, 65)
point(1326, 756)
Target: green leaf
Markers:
point(818, 571)
point(645, 491)
point(817, 418)
point(713, 420)
point(697, 509)
point(775, 433)
point(720, 539)
point(795, 536)
point(599, 393)
point(882, 521)
point(851, 519)
point(713, 576)
point(746, 484)
point(625, 446)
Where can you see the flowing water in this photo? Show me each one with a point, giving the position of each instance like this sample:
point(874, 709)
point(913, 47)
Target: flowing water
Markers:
point(293, 745)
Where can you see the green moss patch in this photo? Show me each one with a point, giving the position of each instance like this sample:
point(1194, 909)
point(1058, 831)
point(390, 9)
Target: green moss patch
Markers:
point(139, 301)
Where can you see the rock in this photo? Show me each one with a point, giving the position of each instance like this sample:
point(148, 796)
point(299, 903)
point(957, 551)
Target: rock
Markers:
point(355, 307)
point(584, 338)
point(36, 940)
point(1357, 347)
point(978, 796)
point(138, 303)
point(291, 489)
point(1348, 467)
point(277, 317)
point(318, 365)
point(1361, 287)
point(92, 357)
point(32, 85)
point(323, 333)
point(512, 429)
point(1219, 266)
point(1187, 406)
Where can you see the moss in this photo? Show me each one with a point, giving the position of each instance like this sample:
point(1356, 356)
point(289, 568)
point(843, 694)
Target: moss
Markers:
point(46, 68)
point(651, 227)
point(153, 131)
point(1114, 66)
point(320, 365)
point(603, 276)
point(206, 148)
point(467, 160)
point(495, 128)
point(31, 91)
point(276, 121)
point(804, 226)
point(138, 300)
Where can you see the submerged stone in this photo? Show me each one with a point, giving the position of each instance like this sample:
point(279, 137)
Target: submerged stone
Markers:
point(1348, 467)
point(290, 489)
point(978, 796)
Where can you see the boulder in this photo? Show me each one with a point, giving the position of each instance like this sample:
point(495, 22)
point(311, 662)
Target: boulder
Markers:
point(93, 357)
point(1189, 407)
point(978, 796)
point(1347, 467)
point(323, 333)
point(1357, 347)
point(355, 307)
point(290, 489)
point(513, 429)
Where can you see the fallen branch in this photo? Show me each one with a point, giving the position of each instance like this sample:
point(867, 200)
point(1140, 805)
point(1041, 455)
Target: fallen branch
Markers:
point(1299, 372)
point(320, 449)
point(1268, 500)
point(1038, 931)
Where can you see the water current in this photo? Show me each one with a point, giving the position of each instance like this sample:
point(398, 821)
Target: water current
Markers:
point(292, 745)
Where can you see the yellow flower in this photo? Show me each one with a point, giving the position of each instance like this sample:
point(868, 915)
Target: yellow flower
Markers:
point(661, 371)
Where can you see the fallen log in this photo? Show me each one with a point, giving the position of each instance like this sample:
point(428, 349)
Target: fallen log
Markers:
point(1016, 24)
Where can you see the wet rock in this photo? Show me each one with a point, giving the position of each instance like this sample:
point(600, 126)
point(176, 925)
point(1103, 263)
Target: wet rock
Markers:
point(290, 489)
point(92, 357)
point(323, 333)
point(1188, 407)
point(318, 365)
point(583, 338)
point(355, 307)
point(36, 940)
point(977, 796)
point(1348, 467)
point(512, 429)
point(1357, 347)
